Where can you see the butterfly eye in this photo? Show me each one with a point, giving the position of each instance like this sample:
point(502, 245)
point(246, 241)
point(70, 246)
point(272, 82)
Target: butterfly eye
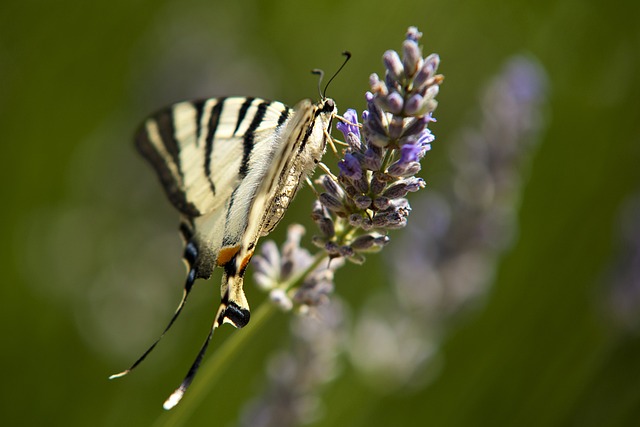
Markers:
point(328, 106)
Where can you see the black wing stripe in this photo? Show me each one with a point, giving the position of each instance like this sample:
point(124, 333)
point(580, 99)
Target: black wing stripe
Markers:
point(167, 130)
point(199, 106)
point(242, 113)
point(228, 240)
point(211, 133)
point(248, 142)
point(306, 136)
point(283, 116)
point(249, 138)
point(176, 196)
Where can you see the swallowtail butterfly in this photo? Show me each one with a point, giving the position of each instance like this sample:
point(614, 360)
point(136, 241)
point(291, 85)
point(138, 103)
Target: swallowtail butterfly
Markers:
point(231, 166)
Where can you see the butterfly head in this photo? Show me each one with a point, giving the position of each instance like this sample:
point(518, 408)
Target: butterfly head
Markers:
point(328, 105)
point(325, 112)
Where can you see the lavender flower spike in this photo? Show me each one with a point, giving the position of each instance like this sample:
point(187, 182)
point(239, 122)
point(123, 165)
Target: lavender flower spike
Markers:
point(378, 167)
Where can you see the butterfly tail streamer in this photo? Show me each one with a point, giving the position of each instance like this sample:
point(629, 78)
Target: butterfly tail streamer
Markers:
point(187, 289)
point(176, 396)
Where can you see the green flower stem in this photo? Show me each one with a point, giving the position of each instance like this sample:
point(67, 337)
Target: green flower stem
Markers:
point(214, 366)
point(387, 160)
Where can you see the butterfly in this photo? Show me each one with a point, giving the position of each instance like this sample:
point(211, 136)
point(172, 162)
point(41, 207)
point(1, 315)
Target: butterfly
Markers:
point(230, 166)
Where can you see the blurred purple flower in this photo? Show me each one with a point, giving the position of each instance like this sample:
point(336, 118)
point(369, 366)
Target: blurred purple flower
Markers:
point(448, 257)
point(623, 278)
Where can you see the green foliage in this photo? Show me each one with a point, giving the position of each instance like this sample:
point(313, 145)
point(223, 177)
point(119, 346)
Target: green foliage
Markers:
point(90, 266)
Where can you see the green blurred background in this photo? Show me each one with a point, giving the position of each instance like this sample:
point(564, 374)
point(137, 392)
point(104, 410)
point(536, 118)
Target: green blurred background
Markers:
point(90, 260)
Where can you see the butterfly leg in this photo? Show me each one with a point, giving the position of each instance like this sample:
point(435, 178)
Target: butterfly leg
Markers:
point(327, 171)
point(331, 140)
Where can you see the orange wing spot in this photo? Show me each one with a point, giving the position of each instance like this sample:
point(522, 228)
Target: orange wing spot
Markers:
point(226, 254)
point(245, 261)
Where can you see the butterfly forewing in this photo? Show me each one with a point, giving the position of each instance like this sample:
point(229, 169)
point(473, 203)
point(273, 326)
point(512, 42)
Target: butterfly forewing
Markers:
point(197, 148)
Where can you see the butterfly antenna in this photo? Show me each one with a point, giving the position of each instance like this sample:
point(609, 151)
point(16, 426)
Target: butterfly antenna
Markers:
point(319, 72)
point(187, 289)
point(347, 55)
point(176, 396)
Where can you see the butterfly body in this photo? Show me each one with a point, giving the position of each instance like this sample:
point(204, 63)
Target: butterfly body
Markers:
point(231, 166)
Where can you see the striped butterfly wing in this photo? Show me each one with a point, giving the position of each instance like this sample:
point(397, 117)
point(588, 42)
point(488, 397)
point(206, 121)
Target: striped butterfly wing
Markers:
point(231, 166)
point(194, 146)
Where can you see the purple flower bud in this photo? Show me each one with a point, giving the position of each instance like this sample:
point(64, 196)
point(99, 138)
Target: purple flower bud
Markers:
point(376, 133)
point(361, 185)
point(378, 86)
point(363, 242)
point(331, 202)
point(374, 79)
point(326, 227)
point(397, 216)
point(318, 210)
point(381, 220)
point(351, 191)
point(430, 94)
point(400, 223)
point(394, 102)
point(413, 34)
point(412, 57)
point(426, 72)
point(362, 202)
point(379, 140)
point(332, 187)
point(372, 158)
point(414, 184)
point(393, 85)
point(331, 248)
point(396, 127)
point(433, 60)
point(350, 167)
point(413, 104)
point(376, 120)
point(396, 190)
point(381, 203)
point(377, 183)
point(399, 169)
point(367, 224)
point(415, 126)
point(393, 64)
point(353, 140)
point(355, 220)
point(368, 95)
